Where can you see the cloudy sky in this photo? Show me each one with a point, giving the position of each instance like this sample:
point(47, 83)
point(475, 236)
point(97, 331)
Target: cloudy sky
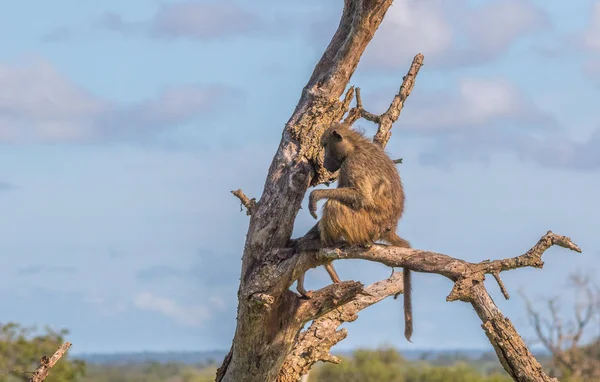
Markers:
point(124, 125)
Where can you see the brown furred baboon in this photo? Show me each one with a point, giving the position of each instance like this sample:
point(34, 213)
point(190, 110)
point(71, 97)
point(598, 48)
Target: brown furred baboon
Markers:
point(365, 207)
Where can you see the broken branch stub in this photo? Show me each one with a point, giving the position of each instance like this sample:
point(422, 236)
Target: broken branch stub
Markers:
point(41, 373)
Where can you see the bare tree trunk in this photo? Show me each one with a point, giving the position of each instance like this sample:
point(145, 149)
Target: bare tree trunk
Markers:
point(268, 344)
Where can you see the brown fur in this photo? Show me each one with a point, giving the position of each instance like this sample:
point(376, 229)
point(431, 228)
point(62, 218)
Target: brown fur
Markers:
point(366, 205)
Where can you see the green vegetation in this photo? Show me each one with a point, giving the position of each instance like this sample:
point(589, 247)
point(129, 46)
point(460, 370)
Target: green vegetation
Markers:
point(21, 350)
point(387, 365)
point(151, 372)
point(381, 365)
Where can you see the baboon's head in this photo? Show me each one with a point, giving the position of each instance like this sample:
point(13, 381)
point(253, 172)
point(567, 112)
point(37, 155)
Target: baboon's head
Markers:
point(337, 146)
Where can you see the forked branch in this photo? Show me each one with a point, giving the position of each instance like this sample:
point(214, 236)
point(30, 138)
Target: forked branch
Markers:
point(314, 344)
point(387, 119)
point(460, 271)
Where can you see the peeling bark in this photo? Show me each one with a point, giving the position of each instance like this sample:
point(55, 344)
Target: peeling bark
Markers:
point(314, 343)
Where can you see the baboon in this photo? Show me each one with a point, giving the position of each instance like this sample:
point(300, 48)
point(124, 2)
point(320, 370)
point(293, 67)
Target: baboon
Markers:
point(365, 207)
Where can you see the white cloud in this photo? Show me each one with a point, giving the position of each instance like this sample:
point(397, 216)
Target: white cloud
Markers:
point(198, 20)
point(37, 103)
point(194, 316)
point(553, 151)
point(491, 115)
point(478, 103)
point(450, 34)
point(494, 27)
point(203, 20)
point(486, 116)
point(410, 27)
point(483, 100)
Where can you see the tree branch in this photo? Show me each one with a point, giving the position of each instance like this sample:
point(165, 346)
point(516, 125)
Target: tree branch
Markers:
point(457, 270)
point(357, 112)
point(245, 201)
point(387, 119)
point(46, 363)
point(328, 298)
point(501, 285)
point(468, 286)
point(461, 272)
point(314, 344)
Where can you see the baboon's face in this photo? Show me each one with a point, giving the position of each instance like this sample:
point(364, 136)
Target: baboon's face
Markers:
point(336, 149)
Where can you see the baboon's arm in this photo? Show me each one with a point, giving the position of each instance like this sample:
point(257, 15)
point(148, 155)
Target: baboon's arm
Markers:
point(346, 195)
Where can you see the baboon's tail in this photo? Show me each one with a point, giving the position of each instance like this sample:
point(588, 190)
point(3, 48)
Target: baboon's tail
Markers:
point(408, 321)
point(396, 240)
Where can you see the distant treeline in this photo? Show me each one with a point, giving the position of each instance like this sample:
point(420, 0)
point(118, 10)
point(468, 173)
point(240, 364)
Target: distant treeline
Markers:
point(380, 365)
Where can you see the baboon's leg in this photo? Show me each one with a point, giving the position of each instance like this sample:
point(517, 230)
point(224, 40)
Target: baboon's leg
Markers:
point(332, 273)
point(300, 287)
point(311, 241)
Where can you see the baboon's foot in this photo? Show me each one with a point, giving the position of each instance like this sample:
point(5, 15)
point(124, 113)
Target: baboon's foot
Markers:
point(304, 293)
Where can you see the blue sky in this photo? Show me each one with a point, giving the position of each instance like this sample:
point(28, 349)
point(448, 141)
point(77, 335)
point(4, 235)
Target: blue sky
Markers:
point(124, 125)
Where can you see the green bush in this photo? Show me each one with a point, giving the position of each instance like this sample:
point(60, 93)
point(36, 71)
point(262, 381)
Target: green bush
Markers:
point(21, 350)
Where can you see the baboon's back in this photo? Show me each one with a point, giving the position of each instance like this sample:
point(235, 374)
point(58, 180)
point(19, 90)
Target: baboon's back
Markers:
point(370, 171)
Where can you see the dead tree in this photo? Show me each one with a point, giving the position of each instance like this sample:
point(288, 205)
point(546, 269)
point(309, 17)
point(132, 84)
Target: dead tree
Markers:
point(268, 344)
point(575, 354)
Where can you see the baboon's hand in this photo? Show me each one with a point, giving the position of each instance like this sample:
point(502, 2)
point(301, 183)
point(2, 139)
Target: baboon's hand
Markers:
point(312, 203)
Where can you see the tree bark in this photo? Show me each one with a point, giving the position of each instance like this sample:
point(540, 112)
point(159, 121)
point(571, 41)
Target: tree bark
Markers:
point(313, 345)
point(268, 344)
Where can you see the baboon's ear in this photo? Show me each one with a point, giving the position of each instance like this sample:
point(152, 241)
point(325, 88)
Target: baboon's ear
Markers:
point(336, 135)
